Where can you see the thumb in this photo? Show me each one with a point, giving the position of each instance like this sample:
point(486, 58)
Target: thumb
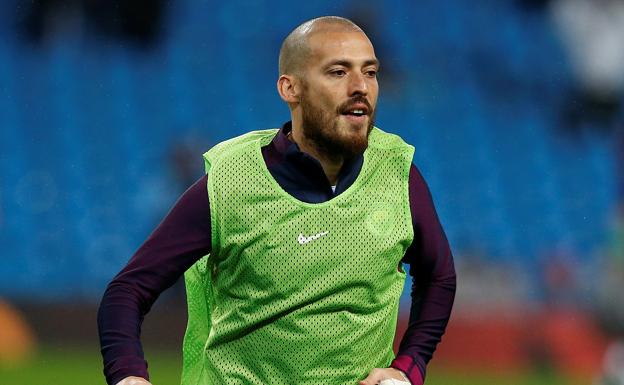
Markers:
point(374, 377)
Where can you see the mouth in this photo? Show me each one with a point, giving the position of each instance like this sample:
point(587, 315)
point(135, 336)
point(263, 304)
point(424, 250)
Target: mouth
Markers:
point(356, 119)
point(357, 113)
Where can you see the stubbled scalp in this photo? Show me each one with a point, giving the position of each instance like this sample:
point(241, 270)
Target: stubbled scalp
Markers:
point(295, 49)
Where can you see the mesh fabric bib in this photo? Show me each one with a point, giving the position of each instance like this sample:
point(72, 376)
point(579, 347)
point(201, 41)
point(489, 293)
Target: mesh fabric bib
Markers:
point(295, 292)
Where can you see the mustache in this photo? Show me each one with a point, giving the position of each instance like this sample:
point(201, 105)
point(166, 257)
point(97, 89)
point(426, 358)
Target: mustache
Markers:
point(355, 100)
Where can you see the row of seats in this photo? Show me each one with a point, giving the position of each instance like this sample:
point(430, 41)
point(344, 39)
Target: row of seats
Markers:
point(87, 129)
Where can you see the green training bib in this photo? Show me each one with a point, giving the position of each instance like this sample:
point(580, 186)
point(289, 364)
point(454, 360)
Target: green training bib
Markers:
point(295, 292)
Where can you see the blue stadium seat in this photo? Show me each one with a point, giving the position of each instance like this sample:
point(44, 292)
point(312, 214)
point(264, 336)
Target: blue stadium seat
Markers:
point(501, 177)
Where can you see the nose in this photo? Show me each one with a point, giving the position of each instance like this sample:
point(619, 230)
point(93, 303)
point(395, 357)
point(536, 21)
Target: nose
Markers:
point(357, 84)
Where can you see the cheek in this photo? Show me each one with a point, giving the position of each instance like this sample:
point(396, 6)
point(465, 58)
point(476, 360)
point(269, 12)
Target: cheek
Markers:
point(373, 91)
point(328, 97)
point(328, 103)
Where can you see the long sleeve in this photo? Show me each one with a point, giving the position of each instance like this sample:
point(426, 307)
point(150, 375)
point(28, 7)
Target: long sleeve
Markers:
point(433, 283)
point(182, 238)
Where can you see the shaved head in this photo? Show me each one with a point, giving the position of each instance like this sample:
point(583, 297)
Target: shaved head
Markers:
point(328, 77)
point(295, 49)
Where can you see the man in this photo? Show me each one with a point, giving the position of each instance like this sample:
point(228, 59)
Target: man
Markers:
point(306, 228)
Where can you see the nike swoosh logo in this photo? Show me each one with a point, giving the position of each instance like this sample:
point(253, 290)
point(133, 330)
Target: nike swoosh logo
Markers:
point(302, 239)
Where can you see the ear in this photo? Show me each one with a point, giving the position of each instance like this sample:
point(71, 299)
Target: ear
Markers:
point(288, 89)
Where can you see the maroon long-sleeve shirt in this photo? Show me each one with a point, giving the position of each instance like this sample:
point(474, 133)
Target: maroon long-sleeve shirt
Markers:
point(184, 236)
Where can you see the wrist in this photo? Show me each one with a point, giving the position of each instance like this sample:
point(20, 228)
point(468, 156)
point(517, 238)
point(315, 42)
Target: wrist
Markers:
point(404, 376)
point(410, 367)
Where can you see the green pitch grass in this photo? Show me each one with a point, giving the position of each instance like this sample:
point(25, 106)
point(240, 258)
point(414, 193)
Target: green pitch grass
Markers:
point(81, 365)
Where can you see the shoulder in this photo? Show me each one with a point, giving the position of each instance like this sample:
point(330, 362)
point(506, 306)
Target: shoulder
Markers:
point(420, 197)
point(388, 148)
point(235, 145)
point(418, 187)
point(383, 140)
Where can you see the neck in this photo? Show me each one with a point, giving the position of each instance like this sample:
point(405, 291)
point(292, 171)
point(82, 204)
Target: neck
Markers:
point(330, 163)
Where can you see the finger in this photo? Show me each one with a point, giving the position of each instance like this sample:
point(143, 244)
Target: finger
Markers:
point(374, 377)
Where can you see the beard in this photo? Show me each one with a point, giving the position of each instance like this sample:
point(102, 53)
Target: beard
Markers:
point(322, 129)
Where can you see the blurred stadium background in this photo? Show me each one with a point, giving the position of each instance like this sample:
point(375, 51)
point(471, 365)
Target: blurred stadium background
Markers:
point(514, 107)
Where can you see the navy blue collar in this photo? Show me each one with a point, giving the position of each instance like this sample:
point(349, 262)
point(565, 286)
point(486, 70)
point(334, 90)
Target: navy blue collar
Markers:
point(301, 174)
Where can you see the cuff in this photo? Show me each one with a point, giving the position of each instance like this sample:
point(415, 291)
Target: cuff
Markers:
point(408, 365)
point(115, 373)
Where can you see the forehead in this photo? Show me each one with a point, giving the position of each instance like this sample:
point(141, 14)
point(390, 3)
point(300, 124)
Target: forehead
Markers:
point(328, 46)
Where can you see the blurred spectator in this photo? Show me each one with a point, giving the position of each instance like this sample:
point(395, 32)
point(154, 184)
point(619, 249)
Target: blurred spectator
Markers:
point(613, 366)
point(41, 20)
point(593, 32)
point(139, 21)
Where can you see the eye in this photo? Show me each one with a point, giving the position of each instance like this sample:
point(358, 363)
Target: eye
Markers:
point(371, 73)
point(338, 73)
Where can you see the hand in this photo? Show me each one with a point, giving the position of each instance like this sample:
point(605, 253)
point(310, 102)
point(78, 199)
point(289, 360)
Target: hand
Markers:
point(378, 374)
point(134, 381)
